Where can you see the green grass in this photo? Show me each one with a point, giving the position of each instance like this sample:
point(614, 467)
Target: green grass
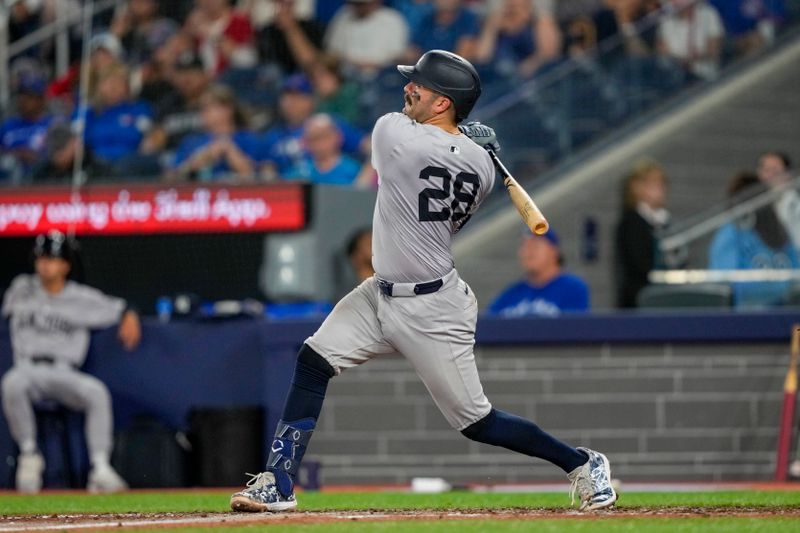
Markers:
point(189, 501)
point(633, 525)
point(177, 502)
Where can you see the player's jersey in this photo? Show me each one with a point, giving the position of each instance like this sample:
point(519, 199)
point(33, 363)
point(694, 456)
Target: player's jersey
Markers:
point(430, 183)
point(56, 325)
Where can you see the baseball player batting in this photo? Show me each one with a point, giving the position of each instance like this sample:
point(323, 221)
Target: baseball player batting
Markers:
point(433, 175)
point(50, 320)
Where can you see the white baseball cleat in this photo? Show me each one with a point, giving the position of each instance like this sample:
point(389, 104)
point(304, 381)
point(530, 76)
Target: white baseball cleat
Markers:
point(104, 478)
point(262, 494)
point(592, 482)
point(30, 467)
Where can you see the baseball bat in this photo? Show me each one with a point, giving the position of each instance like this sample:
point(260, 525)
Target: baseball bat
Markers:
point(527, 208)
point(787, 411)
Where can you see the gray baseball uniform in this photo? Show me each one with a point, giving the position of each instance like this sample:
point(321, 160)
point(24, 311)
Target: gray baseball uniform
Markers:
point(431, 182)
point(50, 338)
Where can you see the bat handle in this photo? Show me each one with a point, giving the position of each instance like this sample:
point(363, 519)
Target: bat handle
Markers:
point(498, 164)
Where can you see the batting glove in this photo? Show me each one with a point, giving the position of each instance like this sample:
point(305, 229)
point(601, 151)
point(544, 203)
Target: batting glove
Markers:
point(481, 134)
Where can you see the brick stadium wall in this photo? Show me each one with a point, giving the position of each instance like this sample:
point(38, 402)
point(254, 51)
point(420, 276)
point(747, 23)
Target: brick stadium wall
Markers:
point(659, 411)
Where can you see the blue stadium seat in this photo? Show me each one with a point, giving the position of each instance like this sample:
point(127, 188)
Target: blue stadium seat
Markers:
point(712, 295)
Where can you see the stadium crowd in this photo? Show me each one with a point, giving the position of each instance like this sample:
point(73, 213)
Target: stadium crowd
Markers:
point(264, 90)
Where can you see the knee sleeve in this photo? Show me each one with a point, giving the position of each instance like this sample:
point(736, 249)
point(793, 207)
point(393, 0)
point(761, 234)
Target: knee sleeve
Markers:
point(309, 385)
point(477, 431)
point(314, 361)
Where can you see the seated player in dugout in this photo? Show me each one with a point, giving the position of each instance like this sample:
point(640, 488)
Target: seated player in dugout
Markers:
point(50, 318)
point(546, 290)
point(433, 175)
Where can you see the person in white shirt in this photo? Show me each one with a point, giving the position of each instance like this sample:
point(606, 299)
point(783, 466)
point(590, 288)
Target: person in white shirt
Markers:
point(367, 36)
point(692, 35)
point(775, 171)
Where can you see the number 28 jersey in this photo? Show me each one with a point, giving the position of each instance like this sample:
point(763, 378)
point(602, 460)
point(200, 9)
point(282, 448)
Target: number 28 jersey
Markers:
point(429, 184)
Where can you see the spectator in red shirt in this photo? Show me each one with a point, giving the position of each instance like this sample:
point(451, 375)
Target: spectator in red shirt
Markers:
point(224, 36)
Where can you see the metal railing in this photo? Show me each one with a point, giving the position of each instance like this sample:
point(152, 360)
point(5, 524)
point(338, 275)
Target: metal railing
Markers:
point(66, 19)
point(686, 241)
point(710, 220)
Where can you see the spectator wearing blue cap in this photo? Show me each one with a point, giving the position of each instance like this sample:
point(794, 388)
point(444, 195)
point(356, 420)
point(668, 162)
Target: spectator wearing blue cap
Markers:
point(282, 145)
point(22, 137)
point(546, 290)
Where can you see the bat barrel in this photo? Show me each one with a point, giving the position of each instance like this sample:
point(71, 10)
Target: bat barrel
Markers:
point(787, 420)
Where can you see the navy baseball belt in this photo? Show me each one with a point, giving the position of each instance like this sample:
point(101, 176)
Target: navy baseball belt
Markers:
point(412, 289)
point(47, 360)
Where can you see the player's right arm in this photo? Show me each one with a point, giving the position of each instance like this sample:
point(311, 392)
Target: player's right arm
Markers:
point(96, 309)
point(14, 294)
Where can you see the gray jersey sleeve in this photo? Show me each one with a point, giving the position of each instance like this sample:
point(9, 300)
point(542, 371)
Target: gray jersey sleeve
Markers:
point(93, 309)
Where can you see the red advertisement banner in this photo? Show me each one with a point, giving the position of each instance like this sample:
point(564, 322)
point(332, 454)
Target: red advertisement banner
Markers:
point(145, 209)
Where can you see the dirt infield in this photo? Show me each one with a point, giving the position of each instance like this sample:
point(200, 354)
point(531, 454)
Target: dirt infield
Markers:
point(98, 522)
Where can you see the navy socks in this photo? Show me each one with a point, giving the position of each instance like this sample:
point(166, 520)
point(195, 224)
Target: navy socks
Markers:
point(523, 436)
point(303, 405)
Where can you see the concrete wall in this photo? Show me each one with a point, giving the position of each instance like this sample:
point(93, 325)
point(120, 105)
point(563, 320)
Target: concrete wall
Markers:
point(659, 411)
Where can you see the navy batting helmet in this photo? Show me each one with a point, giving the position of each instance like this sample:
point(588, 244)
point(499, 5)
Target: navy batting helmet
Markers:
point(55, 244)
point(449, 74)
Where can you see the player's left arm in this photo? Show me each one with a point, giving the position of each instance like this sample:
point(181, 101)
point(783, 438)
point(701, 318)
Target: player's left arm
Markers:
point(13, 294)
point(130, 329)
point(390, 132)
point(96, 310)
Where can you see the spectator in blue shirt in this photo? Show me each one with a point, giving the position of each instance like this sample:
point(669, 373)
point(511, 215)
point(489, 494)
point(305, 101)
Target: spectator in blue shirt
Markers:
point(324, 162)
point(751, 24)
point(518, 41)
point(116, 126)
point(414, 11)
point(22, 137)
point(752, 242)
point(450, 26)
point(546, 289)
point(282, 146)
point(224, 149)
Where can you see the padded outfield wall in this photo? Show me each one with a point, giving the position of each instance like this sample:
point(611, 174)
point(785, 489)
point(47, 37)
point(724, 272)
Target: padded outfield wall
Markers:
point(692, 396)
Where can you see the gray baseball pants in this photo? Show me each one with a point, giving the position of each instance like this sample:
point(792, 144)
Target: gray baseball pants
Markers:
point(435, 332)
point(27, 383)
